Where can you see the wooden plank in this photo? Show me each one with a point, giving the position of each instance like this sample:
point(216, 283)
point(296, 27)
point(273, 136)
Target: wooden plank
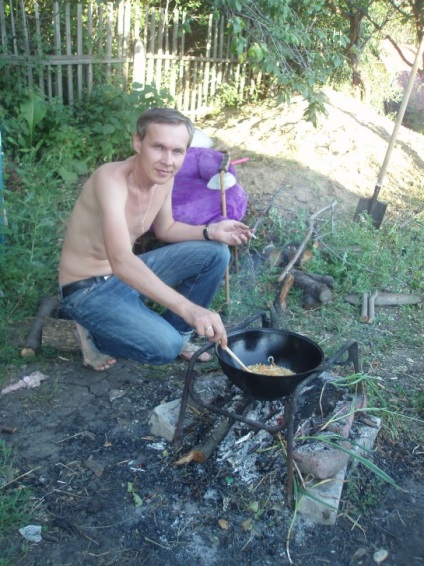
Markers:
point(80, 77)
point(159, 49)
point(109, 20)
point(139, 61)
point(90, 48)
point(120, 28)
point(193, 90)
point(63, 59)
point(125, 39)
point(207, 65)
point(12, 23)
point(214, 55)
point(182, 79)
point(26, 45)
point(186, 100)
point(151, 50)
point(167, 52)
point(3, 28)
point(68, 40)
point(220, 51)
point(174, 52)
point(58, 49)
point(202, 100)
point(100, 29)
point(39, 47)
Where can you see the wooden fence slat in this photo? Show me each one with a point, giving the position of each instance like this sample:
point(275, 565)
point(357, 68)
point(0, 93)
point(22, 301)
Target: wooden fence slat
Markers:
point(174, 52)
point(126, 39)
point(68, 39)
point(159, 49)
point(3, 27)
point(90, 48)
point(39, 50)
point(26, 44)
point(12, 21)
point(167, 65)
point(58, 49)
point(100, 29)
point(150, 65)
point(109, 20)
point(79, 52)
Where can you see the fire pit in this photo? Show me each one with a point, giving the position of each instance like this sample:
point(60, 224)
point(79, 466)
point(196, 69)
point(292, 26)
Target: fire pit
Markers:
point(252, 346)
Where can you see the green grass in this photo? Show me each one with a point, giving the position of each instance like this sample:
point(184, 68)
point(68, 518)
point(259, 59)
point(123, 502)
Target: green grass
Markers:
point(41, 190)
point(15, 504)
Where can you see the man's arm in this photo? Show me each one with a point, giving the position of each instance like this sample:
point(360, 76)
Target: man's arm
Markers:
point(129, 268)
point(229, 232)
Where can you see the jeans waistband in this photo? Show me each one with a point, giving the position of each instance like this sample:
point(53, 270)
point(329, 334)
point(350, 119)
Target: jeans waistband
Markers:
point(70, 288)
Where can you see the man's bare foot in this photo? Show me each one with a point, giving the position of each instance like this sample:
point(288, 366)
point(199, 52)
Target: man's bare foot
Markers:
point(188, 350)
point(91, 356)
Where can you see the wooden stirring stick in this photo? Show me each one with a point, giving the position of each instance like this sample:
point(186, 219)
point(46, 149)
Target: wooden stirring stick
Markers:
point(232, 354)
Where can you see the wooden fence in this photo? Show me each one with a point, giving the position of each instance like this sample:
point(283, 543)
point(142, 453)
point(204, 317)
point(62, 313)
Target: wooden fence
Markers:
point(71, 48)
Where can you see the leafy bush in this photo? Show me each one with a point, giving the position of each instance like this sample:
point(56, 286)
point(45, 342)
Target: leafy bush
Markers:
point(47, 148)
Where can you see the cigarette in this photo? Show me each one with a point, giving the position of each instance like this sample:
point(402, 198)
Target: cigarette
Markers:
point(254, 237)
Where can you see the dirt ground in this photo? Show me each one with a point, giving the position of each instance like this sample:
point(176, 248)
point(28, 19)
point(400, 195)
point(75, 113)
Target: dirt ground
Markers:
point(106, 492)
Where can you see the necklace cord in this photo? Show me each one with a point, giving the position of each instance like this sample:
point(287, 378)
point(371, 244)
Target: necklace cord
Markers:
point(142, 218)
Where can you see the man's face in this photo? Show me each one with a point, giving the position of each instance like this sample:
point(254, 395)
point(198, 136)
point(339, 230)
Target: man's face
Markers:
point(161, 152)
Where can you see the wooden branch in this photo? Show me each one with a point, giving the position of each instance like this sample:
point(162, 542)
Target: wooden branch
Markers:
point(371, 306)
point(388, 299)
point(364, 309)
point(265, 212)
point(309, 232)
point(33, 342)
point(285, 288)
point(277, 314)
point(213, 438)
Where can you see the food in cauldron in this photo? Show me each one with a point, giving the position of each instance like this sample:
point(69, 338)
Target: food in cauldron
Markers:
point(270, 369)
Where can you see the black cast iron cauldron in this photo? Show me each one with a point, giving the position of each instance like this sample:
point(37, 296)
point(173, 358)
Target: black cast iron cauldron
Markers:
point(292, 351)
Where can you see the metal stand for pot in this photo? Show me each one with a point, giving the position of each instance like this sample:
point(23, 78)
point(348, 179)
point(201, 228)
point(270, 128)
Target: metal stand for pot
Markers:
point(351, 347)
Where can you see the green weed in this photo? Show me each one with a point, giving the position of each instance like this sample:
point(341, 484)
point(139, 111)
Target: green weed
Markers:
point(15, 507)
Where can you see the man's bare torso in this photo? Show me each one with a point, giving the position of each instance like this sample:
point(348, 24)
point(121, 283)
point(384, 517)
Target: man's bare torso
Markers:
point(84, 254)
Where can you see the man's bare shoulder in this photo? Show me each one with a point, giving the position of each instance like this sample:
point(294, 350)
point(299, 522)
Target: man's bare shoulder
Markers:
point(115, 170)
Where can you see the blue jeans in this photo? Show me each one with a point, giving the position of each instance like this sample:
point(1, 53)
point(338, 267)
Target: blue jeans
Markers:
point(123, 326)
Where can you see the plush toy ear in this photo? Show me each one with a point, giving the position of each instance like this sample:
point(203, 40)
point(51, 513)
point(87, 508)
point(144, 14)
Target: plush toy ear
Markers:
point(200, 139)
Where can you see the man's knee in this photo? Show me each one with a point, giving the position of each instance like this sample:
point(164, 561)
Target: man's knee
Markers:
point(164, 350)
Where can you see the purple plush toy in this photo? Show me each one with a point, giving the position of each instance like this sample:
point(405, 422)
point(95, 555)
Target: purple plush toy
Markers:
point(192, 201)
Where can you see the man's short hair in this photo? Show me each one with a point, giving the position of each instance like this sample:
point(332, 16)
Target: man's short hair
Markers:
point(163, 116)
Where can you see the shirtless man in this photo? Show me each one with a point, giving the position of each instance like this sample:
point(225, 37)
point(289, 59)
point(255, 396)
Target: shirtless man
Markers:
point(104, 285)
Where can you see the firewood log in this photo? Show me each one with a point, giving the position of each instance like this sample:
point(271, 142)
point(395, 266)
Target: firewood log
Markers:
point(310, 302)
point(214, 436)
point(320, 291)
point(324, 279)
point(364, 308)
point(59, 335)
point(388, 299)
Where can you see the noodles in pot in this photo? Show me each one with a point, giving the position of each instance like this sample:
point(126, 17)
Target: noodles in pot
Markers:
point(272, 369)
